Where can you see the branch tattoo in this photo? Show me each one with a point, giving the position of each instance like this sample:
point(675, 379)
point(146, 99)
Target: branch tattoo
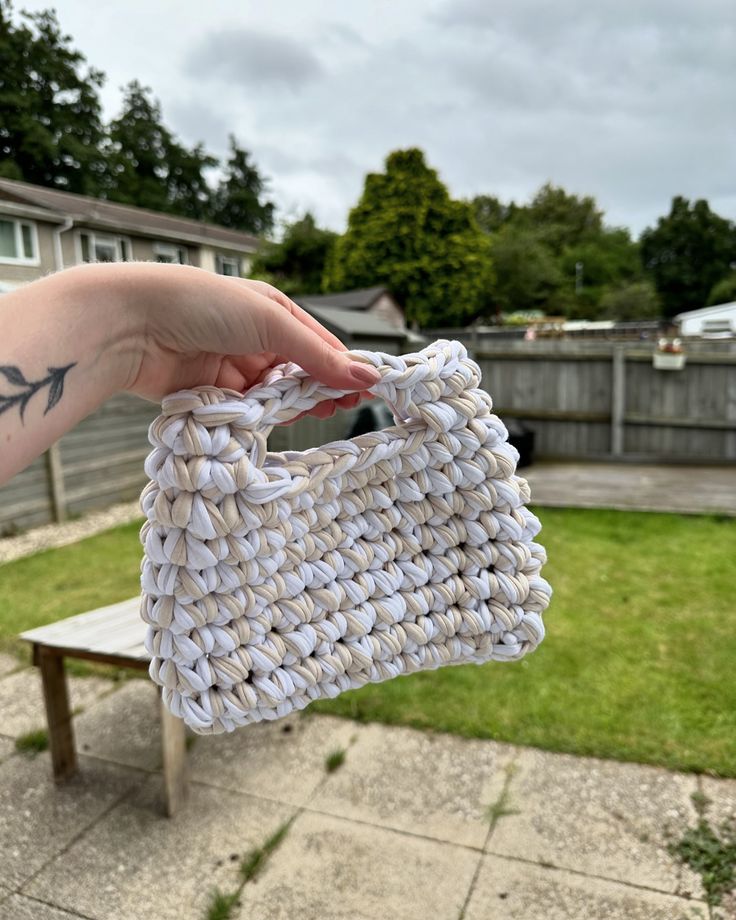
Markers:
point(54, 380)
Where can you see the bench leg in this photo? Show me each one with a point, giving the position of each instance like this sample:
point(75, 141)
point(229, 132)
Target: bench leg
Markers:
point(173, 744)
point(58, 713)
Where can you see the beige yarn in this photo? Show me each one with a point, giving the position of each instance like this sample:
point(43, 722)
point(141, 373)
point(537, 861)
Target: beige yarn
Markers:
point(273, 579)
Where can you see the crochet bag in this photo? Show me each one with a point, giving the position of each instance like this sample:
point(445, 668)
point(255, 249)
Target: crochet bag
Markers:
point(273, 579)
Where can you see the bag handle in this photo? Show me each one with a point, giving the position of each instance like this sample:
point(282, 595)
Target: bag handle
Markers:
point(412, 385)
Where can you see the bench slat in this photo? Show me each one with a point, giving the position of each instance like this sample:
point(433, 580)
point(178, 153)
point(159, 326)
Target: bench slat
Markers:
point(113, 630)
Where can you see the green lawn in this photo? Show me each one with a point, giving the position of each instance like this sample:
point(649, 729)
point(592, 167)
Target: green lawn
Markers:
point(638, 662)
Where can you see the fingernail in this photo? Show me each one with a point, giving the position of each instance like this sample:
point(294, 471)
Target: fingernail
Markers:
point(364, 373)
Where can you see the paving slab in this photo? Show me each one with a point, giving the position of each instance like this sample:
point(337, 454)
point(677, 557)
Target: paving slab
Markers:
point(599, 817)
point(38, 819)
point(282, 760)
point(19, 907)
point(432, 784)
point(332, 869)
point(136, 864)
point(510, 890)
point(7, 748)
point(8, 664)
point(721, 795)
point(633, 486)
point(124, 727)
point(21, 699)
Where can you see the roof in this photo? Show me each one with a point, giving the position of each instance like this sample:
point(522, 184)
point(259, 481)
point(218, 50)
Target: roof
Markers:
point(707, 311)
point(358, 299)
point(113, 216)
point(353, 322)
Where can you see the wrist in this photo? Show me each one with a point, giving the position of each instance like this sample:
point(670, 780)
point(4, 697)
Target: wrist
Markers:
point(102, 315)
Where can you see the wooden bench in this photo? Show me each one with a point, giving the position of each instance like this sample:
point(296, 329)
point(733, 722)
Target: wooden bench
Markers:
point(111, 635)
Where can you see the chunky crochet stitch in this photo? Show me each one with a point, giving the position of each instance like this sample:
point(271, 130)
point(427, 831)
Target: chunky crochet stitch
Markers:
point(273, 579)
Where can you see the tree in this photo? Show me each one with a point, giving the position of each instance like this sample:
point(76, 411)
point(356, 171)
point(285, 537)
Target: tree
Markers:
point(148, 168)
point(237, 201)
point(491, 213)
point(407, 233)
point(555, 253)
point(564, 219)
point(50, 122)
point(724, 291)
point(296, 264)
point(634, 301)
point(527, 274)
point(605, 261)
point(687, 253)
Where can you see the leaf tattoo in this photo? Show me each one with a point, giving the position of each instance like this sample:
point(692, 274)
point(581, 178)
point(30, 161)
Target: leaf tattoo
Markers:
point(13, 374)
point(54, 380)
point(57, 386)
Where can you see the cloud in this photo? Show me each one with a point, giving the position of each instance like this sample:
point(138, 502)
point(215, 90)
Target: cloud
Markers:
point(250, 58)
point(629, 102)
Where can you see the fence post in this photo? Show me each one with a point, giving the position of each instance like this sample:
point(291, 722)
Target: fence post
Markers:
point(618, 397)
point(56, 482)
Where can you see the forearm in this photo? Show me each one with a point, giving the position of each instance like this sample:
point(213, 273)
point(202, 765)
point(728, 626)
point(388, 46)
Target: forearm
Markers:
point(66, 346)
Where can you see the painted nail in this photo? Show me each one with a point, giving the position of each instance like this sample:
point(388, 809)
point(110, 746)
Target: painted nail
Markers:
point(364, 374)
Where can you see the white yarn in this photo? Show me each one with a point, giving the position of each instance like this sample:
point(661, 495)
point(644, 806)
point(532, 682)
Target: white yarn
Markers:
point(270, 580)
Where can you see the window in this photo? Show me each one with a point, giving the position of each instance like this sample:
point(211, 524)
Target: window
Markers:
point(227, 265)
point(168, 252)
point(18, 241)
point(101, 247)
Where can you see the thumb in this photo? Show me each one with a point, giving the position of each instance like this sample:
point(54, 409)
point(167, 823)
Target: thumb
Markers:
point(284, 334)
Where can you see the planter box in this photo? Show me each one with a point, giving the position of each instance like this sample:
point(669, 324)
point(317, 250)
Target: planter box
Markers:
point(668, 361)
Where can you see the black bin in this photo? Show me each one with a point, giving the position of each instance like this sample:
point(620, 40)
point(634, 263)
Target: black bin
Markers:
point(522, 437)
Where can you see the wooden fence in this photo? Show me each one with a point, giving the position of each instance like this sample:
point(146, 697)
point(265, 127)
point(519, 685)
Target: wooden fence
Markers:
point(608, 401)
point(582, 400)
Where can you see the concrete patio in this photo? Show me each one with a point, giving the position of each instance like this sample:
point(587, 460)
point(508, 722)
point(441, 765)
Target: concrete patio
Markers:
point(412, 825)
point(405, 828)
point(633, 486)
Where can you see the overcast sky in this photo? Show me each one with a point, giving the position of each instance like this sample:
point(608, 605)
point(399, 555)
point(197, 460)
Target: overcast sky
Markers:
point(632, 102)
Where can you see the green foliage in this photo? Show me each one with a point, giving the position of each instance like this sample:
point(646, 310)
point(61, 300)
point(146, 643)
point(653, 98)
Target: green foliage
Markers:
point(724, 291)
point(334, 760)
point(256, 859)
point(237, 201)
point(634, 301)
point(527, 274)
point(687, 253)
point(555, 253)
point(563, 219)
point(50, 112)
point(296, 264)
point(711, 852)
point(221, 905)
point(608, 259)
point(407, 233)
point(491, 213)
point(33, 742)
point(148, 167)
point(501, 808)
point(51, 134)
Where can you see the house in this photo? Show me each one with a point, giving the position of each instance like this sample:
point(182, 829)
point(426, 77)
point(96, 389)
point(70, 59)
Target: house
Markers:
point(709, 321)
point(373, 301)
point(358, 328)
point(43, 230)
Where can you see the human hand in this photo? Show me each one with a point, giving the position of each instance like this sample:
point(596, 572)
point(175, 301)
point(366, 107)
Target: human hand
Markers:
point(191, 327)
